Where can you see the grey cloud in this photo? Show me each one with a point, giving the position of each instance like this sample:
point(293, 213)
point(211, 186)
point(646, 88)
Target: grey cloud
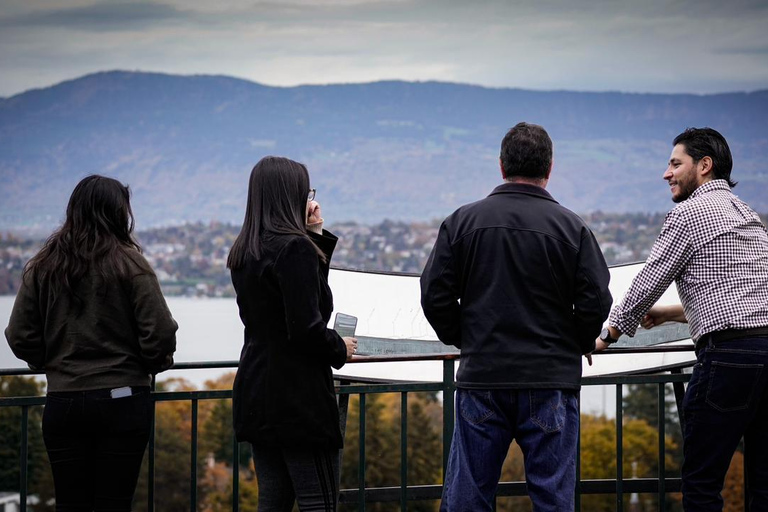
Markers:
point(756, 50)
point(99, 16)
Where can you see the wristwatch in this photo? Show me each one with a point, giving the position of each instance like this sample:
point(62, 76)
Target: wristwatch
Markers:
point(605, 335)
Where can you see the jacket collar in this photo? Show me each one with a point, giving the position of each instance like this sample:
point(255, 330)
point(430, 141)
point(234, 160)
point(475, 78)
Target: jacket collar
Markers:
point(522, 188)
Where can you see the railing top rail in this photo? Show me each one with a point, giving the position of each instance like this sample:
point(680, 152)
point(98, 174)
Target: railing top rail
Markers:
point(385, 358)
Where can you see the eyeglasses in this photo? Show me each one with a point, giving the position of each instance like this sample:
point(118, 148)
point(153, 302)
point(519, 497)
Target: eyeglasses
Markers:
point(311, 195)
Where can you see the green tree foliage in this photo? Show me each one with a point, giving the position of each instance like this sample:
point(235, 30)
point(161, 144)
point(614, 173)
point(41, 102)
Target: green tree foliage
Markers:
point(640, 454)
point(39, 480)
point(382, 446)
point(173, 429)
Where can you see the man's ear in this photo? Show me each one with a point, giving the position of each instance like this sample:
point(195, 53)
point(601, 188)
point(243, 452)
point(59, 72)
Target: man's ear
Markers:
point(501, 168)
point(705, 167)
point(551, 166)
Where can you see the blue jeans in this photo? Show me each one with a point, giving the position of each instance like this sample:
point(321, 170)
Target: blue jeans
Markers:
point(544, 422)
point(727, 398)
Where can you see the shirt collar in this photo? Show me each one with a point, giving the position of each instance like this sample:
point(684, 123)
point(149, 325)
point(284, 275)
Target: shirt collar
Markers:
point(710, 186)
point(522, 188)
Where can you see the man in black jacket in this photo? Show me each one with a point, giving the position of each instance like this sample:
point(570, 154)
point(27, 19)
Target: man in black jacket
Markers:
point(518, 283)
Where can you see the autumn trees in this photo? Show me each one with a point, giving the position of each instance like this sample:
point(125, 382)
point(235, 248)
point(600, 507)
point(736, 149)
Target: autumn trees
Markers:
point(215, 463)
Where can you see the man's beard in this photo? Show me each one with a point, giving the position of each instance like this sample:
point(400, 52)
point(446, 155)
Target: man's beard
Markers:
point(686, 189)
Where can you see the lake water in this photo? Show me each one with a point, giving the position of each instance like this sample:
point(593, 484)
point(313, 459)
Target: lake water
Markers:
point(210, 330)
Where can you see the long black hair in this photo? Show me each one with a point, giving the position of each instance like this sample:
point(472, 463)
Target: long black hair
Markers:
point(97, 234)
point(277, 205)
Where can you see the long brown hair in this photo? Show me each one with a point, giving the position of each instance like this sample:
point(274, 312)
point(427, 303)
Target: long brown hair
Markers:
point(97, 234)
point(277, 202)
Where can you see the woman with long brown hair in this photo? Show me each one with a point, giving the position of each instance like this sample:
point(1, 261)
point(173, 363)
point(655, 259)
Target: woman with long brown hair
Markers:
point(91, 315)
point(283, 397)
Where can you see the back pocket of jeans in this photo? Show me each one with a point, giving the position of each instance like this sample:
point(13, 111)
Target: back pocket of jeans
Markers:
point(475, 406)
point(731, 385)
point(548, 409)
point(127, 414)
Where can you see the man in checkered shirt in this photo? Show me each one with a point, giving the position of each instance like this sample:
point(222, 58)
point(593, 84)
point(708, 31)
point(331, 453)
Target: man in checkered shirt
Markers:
point(714, 247)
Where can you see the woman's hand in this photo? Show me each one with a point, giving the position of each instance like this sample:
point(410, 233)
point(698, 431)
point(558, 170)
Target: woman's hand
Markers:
point(351, 344)
point(314, 217)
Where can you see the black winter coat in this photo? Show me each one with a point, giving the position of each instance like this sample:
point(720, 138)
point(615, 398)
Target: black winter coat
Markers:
point(519, 284)
point(283, 393)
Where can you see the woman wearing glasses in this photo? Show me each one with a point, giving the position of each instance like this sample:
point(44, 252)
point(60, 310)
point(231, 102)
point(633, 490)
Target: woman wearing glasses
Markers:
point(283, 397)
point(90, 313)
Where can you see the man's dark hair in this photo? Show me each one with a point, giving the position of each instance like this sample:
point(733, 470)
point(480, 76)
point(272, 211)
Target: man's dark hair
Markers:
point(526, 151)
point(701, 142)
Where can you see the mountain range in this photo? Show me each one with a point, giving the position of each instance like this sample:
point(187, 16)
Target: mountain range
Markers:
point(397, 150)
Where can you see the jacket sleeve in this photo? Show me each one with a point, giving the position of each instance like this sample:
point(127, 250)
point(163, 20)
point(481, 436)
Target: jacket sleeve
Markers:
point(156, 326)
point(25, 328)
point(440, 291)
point(326, 243)
point(298, 271)
point(592, 299)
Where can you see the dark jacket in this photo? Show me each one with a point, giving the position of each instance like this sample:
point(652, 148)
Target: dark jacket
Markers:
point(121, 335)
point(519, 284)
point(283, 393)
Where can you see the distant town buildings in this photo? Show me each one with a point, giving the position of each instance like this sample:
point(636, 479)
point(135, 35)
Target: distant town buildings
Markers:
point(190, 259)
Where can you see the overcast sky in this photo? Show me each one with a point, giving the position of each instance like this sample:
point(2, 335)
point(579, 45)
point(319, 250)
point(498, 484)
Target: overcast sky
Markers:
point(699, 46)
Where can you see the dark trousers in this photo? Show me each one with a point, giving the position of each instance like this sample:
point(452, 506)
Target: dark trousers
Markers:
point(726, 399)
point(545, 423)
point(96, 444)
point(308, 477)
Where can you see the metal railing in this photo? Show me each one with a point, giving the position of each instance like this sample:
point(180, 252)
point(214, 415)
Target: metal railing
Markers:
point(620, 486)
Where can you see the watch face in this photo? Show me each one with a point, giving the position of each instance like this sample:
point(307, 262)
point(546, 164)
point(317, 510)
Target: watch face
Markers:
point(605, 334)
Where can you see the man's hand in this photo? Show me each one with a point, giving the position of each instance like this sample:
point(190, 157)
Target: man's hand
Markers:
point(657, 315)
point(600, 345)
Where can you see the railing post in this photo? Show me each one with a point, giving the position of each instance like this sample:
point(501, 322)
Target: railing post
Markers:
point(235, 475)
point(619, 448)
point(193, 469)
point(403, 450)
point(662, 447)
point(449, 392)
point(577, 497)
point(679, 388)
point(361, 467)
point(23, 456)
point(151, 454)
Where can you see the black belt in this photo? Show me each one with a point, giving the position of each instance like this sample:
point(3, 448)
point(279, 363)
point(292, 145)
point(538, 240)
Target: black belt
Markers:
point(732, 334)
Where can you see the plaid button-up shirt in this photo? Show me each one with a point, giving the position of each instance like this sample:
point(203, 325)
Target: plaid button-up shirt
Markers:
point(715, 248)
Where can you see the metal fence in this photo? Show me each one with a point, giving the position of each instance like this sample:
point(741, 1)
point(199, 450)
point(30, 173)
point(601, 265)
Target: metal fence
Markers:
point(619, 486)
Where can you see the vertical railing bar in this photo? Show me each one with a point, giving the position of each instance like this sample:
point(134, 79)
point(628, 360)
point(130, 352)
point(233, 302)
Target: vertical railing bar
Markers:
point(449, 389)
point(403, 450)
point(23, 456)
point(679, 389)
point(619, 448)
point(193, 469)
point(577, 497)
point(235, 475)
point(662, 446)
point(361, 468)
point(151, 453)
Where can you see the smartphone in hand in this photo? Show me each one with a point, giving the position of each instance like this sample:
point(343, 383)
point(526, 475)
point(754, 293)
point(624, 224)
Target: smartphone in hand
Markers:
point(345, 325)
